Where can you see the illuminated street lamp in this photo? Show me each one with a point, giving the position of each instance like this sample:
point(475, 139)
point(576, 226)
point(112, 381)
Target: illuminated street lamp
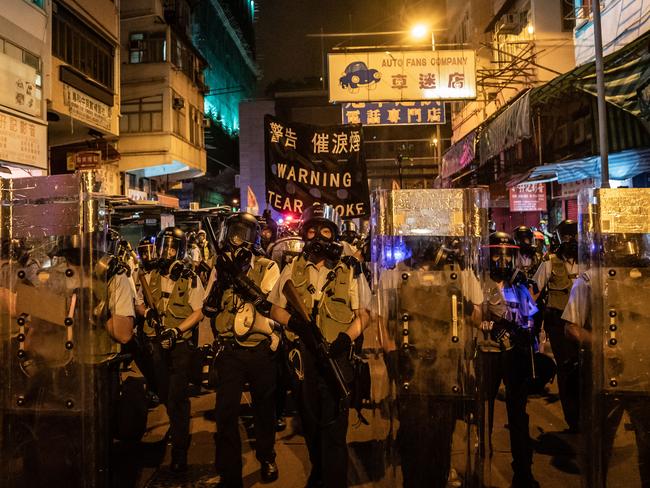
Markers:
point(421, 31)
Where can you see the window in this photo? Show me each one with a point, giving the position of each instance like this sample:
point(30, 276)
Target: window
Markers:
point(142, 115)
point(147, 47)
point(568, 15)
point(76, 44)
point(583, 9)
point(178, 114)
point(196, 127)
point(38, 3)
point(185, 60)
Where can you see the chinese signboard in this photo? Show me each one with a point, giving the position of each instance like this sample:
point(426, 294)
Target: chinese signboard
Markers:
point(307, 164)
point(86, 160)
point(402, 75)
point(528, 198)
point(19, 86)
point(22, 141)
point(393, 113)
point(86, 108)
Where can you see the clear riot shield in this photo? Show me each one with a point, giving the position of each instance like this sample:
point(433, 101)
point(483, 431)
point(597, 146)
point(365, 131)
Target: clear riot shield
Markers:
point(284, 250)
point(425, 252)
point(56, 359)
point(615, 240)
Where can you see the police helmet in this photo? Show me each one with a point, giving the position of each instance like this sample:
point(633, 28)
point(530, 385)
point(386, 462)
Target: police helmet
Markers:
point(239, 230)
point(567, 230)
point(319, 217)
point(147, 250)
point(171, 244)
point(525, 239)
point(349, 231)
point(502, 250)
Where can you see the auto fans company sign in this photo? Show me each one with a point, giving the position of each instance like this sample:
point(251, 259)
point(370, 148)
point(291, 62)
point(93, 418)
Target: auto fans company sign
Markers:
point(307, 164)
point(402, 75)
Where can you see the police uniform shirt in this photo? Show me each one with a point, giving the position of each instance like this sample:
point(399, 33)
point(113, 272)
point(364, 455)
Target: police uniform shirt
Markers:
point(269, 279)
point(578, 309)
point(365, 295)
point(121, 296)
point(545, 270)
point(195, 294)
point(317, 277)
point(195, 254)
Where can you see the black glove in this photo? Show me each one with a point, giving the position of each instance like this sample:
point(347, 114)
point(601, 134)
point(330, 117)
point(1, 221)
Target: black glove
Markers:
point(168, 337)
point(341, 345)
point(298, 325)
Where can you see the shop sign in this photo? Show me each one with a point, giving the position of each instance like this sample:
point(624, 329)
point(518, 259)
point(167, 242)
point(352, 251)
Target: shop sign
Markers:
point(83, 160)
point(19, 89)
point(571, 190)
point(22, 141)
point(402, 75)
point(528, 198)
point(393, 113)
point(86, 108)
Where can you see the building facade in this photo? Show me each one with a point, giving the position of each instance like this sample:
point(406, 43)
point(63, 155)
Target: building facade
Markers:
point(161, 128)
point(84, 98)
point(25, 77)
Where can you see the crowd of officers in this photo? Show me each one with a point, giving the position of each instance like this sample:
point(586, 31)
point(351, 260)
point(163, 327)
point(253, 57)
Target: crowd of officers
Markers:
point(304, 312)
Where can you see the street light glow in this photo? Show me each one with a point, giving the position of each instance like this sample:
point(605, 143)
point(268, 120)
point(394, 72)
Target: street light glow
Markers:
point(419, 31)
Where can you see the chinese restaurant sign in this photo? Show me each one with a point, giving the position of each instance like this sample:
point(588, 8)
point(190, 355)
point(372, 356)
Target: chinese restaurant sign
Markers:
point(528, 198)
point(393, 113)
point(307, 164)
point(402, 75)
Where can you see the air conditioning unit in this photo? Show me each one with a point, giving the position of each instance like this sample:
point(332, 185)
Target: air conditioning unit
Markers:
point(510, 24)
point(178, 103)
point(194, 205)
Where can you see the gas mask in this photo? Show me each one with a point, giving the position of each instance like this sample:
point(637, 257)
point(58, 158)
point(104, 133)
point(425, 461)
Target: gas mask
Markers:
point(241, 258)
point(501, 263)
point(568, 249)
point(322, 246)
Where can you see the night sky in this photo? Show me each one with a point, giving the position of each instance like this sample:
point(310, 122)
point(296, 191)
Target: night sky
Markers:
point(285, 52)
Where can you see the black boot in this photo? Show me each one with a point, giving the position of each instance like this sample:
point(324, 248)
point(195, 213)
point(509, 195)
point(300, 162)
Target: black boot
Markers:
point(270, 472)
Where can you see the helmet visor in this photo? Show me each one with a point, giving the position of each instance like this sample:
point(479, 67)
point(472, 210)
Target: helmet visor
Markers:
point(240, 234)
point(168, 247)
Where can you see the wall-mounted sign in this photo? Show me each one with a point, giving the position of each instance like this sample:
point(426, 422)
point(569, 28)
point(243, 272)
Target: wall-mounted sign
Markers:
point(86, 108)
point(393, 113)
point(22, 141)
point(19, 86)
point(528, 198)
point(402, 75)
point(86, 160)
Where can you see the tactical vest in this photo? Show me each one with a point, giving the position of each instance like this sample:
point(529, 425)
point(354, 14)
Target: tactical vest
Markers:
point(178, 304)
point(335, 312)
point(559, 284)
point(230, 304)
point(205, 252)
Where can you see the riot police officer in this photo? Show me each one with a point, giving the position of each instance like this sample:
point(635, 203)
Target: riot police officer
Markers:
point(269, 231)
point(505, 352)
point(557, 274)
point(204, 246)
point(326, 287)
point(178, 299)
point(527, 258)
point(237, 293)
point(607, 314)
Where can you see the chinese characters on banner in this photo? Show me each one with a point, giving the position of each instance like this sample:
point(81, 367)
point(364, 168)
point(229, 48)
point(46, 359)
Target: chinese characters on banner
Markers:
point(307, 164)
point(528, 198)
point(402, 75)
point(393, 113)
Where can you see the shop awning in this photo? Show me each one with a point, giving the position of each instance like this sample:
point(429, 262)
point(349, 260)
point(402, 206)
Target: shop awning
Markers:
point(459, 155)
point(622, 166)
